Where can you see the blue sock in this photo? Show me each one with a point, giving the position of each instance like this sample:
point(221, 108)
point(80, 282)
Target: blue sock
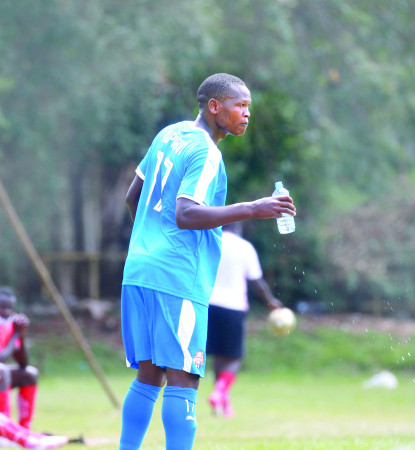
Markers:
point(136, 414)
point(178, 414)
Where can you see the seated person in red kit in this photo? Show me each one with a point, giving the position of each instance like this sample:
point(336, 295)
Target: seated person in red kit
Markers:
point(13, 347)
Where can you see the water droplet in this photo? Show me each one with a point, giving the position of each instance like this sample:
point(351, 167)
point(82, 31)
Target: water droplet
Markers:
point(409, 354)
point(315, 291)
point(403, 359)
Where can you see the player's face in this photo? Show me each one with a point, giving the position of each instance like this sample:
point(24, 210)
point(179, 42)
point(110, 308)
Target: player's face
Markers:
point(233, 112)
point(6, 307)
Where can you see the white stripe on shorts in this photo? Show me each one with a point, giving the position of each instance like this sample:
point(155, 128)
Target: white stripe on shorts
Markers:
point(186, 326)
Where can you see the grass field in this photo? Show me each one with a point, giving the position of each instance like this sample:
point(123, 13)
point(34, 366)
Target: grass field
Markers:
point(295, 393)
point(271, 413)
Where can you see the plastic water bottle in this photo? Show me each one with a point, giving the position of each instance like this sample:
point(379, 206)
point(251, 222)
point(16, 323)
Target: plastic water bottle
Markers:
point(285, 223)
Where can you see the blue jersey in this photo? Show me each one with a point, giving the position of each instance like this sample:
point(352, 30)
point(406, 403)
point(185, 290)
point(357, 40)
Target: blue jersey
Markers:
point(182, 161)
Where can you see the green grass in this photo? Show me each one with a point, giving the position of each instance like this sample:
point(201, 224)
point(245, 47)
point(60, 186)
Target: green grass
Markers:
point(300, 392)
point(327, 350)
point(272, 412)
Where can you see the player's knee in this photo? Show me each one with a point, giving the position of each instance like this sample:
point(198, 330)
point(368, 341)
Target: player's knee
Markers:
point(182, 378)
point(32, 374)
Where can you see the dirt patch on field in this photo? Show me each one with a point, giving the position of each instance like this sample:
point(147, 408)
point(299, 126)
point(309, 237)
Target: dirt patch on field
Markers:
point(108, 329)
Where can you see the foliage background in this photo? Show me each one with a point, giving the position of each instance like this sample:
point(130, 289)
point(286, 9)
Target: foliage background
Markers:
point(84, 86)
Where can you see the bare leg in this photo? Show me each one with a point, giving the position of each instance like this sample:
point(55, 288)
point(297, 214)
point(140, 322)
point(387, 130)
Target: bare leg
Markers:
point(224, 363)
point(23, 377)
point(182, 379)
point(149, 373)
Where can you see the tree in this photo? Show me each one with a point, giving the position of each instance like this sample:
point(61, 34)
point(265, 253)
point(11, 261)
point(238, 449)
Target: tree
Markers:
point(84, 90)
point(87, 85)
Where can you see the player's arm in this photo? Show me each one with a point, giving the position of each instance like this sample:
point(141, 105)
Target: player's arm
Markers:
point(133, 195)
point(191, 215)
point(20, 355)
point(262, 289)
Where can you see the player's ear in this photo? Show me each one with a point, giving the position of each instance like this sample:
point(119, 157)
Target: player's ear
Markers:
point(213, 105)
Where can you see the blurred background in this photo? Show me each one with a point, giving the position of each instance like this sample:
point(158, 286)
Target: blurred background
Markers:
point(85, 86)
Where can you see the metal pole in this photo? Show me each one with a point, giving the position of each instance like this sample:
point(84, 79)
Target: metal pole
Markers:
point(53, 291)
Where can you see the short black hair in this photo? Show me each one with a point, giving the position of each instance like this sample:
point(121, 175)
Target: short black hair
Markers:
point(217, 86)
point(7, 292)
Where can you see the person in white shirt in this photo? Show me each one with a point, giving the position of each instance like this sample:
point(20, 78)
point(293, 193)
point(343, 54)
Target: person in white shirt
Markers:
point(228, 308)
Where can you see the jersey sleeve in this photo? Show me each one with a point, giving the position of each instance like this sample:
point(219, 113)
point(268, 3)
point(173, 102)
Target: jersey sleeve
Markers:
point(139, 172)
point(142, 167)
point(202, 174)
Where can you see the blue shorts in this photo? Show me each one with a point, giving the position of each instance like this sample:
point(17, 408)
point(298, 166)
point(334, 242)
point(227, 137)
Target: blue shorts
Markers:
point(168, 330)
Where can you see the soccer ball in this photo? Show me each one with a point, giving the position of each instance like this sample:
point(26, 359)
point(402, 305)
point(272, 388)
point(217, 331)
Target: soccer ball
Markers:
point(282, 321)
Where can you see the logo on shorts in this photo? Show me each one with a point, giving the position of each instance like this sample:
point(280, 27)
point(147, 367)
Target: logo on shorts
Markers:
point(199, 359)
